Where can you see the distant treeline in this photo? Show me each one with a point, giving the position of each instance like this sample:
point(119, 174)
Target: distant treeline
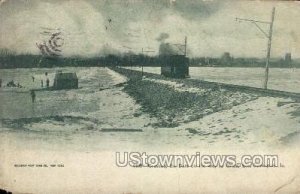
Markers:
point(32, 61)
point(226, 60)
point(242, 62)
point(8, 60)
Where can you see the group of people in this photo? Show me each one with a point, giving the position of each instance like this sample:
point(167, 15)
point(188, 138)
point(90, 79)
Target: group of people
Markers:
point(42, 81)
point(47, 83)
point(11, 84)
point(32, 92)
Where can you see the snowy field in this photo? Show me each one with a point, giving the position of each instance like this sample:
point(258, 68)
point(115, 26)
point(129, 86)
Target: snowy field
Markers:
point(279, 79)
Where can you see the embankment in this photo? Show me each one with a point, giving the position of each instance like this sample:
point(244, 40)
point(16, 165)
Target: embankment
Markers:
point(175, 101)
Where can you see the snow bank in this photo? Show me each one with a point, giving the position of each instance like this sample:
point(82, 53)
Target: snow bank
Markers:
point(173, 103)
point(258, 121)
point(118, 78)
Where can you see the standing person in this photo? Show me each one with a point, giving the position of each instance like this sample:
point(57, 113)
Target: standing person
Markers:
point(47, 83)
point(32, 93)
point(42, 83)
point(0, 83)
point(32, 78)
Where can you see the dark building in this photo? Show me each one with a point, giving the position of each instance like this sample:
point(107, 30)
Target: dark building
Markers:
point(174, 62)
point(65, 81)
point(176, 66)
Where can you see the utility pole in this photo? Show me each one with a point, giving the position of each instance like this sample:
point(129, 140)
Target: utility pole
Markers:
point(147, 51)
point(269, 49)
point(185, 45)
point(269, 36)
point(143, 62)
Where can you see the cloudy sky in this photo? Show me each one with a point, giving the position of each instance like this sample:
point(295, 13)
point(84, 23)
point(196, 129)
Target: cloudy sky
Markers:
point(97, 27)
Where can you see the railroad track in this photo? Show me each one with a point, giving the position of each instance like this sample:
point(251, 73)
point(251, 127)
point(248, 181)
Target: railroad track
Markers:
point(265, 92)
point(134, 74)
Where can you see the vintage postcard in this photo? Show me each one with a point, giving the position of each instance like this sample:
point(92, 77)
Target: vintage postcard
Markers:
point(149, 96)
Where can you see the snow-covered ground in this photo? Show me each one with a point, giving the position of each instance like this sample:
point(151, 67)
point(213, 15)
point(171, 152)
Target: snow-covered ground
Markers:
point(180, 87)
point(259, 121)
point(279, 79)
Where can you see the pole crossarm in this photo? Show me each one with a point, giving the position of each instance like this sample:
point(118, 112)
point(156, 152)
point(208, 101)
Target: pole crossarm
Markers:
point(148, 51)
point(248, 20)
point(255, 23)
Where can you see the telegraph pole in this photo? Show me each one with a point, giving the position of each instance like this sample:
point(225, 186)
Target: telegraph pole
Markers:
point(269, 49)
point(185, 45)
point(143, 62)
point(269, 36)
point(148, 51)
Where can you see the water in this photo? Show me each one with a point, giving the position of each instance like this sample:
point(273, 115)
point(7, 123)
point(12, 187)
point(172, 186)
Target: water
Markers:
point(279, 79)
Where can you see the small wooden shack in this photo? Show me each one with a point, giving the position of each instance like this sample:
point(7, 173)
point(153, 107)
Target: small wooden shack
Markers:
point(65, 81)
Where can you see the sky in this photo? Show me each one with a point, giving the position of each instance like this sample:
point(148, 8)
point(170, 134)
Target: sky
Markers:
point(101, 27)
